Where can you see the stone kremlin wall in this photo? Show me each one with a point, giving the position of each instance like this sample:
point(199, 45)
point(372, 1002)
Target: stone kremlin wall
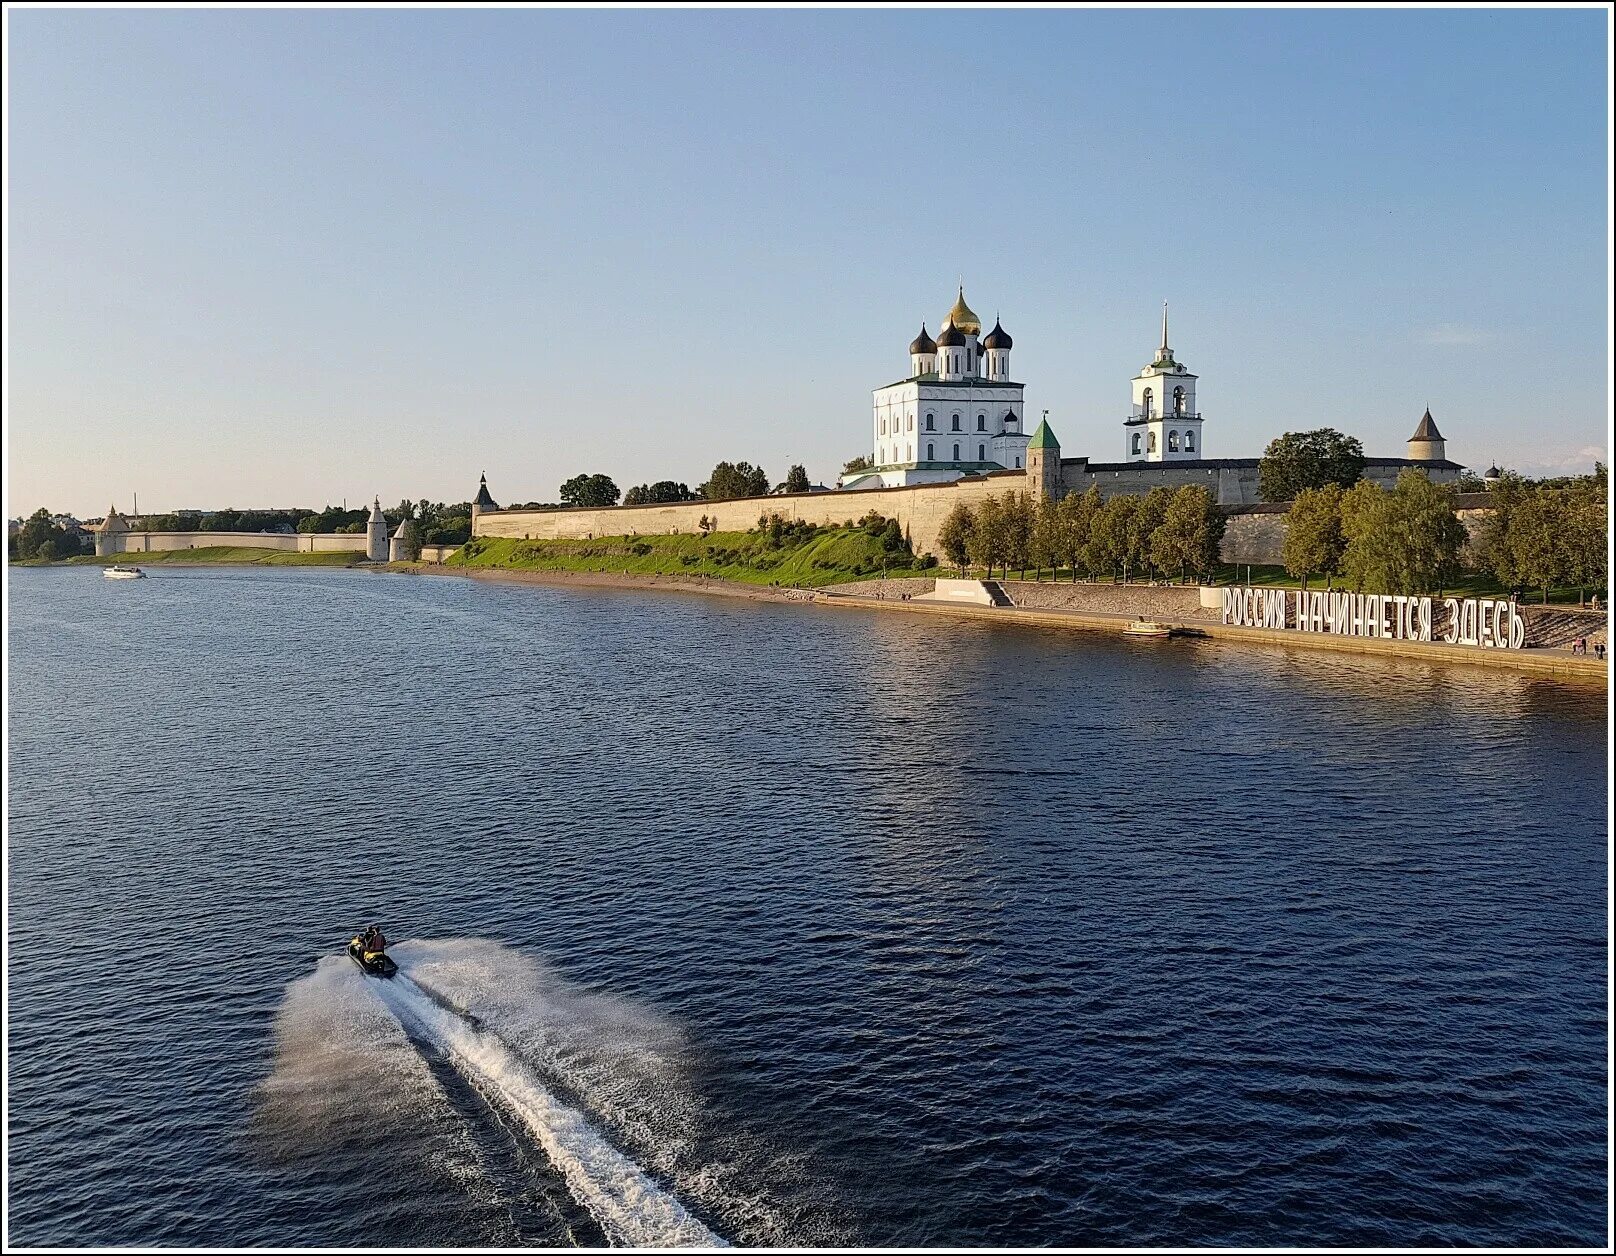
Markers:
point(919, 510)
point(1253, 534)
point(287, 542)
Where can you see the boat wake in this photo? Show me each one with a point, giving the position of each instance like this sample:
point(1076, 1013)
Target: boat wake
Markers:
point(587, 1079)
point(629, 1206)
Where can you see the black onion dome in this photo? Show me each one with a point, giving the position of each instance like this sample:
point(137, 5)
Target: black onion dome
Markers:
point(998, 338)
point(950, 337)
point(923, 343)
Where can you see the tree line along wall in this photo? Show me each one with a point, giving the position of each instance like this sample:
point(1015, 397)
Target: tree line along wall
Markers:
point(1253, 534)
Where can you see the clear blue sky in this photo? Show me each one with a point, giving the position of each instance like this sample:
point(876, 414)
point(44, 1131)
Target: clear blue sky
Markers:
point(277, 258)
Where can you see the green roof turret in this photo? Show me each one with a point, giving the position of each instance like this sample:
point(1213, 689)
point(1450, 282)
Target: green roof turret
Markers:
point(1043, 438)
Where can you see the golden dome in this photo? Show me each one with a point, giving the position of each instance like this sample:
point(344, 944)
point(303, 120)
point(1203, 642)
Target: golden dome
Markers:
point(963, 318)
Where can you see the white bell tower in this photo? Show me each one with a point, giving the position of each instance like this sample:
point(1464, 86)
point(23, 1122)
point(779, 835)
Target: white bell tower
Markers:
point(1163, 424)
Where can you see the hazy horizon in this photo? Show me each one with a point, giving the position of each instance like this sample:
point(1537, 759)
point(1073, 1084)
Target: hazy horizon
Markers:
point(284, 258)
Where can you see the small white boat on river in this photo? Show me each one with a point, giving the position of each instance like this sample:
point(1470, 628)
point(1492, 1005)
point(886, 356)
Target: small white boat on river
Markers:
point(1148, 628)
point(116, 572)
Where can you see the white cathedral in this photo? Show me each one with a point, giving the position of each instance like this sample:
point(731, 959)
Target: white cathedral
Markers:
point(957, 413)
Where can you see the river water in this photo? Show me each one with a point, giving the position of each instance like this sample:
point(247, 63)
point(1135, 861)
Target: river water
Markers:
point(766, 924)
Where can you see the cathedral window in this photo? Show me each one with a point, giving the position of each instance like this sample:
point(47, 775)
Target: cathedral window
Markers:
point(930, 426)
point(956, 423)
point(1172, 442)
point(1018, 464)
point(981, 453)
point(931, 456)
point(1136, 442)
point(981, 422)
point(1189, 442)
point(1150, 402)
point(956, 451)
point(1178, 400)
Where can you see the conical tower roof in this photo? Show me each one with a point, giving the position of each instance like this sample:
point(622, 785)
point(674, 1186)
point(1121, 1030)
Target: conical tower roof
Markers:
point(1043, 438)
point(484, 500)
point(1427, 428)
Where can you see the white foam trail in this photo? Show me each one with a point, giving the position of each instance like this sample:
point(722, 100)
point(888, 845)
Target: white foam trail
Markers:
point(632, 1209)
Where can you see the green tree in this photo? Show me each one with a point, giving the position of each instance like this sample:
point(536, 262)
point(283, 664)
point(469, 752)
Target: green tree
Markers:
point(1045, 548)
point(661, 491)
point(954, 536)
point(43, 540)
point(730, 480)
point(987, 543)
point(1314, 542)
point(1535, 544)
point(589, 490)
point(860, 463)
point(1299, 460)
point(1019, 517)
point(1149, 515)
point(1190, 535)
point(1109, 545)
point(1404, 541)
point(796, 480)
point(1075, 515)
point(1587, 530)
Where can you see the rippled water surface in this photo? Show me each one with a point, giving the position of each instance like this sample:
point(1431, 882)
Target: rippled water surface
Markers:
point(772, 924)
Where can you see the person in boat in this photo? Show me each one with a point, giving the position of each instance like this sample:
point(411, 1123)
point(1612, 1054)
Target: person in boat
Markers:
point(372, 942)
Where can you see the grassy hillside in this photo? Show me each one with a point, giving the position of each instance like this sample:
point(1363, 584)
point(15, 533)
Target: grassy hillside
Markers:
point(225, 554)
point(803, 556)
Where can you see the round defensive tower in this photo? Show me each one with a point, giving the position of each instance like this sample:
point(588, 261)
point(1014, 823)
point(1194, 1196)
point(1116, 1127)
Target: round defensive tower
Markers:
point(1427, 445)
point(376, 534)
point(109, 536)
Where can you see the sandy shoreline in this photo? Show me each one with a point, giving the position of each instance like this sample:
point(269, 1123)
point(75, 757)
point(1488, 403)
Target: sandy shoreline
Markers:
point(1559, 663)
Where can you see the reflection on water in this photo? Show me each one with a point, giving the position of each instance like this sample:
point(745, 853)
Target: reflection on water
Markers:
point(837, 928)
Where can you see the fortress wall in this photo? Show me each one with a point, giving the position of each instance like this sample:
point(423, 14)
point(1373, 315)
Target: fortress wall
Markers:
point(332, 542)
point(1255, 537)
point(285, 542)
point(1253, 533)
point(919, 510)
point(436, 551)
